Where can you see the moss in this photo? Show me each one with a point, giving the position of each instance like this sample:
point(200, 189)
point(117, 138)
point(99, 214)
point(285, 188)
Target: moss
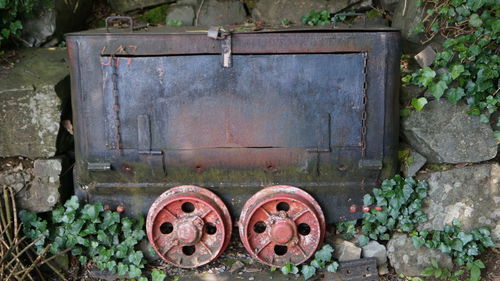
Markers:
point(154, 16)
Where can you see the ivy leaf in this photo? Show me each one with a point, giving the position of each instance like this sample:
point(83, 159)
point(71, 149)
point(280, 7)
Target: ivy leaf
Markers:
point(465, 238)
point(363, 240)
point(286, 268)
point(72, 203)
point(426, 76)
point(367, 200)
point(333, 267)
point(418, 241)
point(419, 103)
point(317, 263)
point(122, 269)
point(158, 275)
point(325, 254)
point(134, 271)
point(475, 20)
point(455, 94)
point(456, 70)
point(437, 89)
point(308, 271)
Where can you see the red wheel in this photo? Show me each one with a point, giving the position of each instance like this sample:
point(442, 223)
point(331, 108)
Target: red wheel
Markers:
point(188, 226)
point(281, 224)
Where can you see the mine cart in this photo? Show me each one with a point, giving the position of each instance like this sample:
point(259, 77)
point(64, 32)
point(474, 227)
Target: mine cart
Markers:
point(282, 130)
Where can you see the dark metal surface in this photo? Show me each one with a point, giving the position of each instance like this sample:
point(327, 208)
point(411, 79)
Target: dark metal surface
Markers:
point(314, 109)
point(356, 270)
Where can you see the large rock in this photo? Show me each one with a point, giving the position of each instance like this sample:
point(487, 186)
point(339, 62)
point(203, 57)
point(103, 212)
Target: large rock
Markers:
point(274, 11)
point(407, 17)
point(43, 192)
point(52, 23)
point(221, 12)
point(390, 5)
point(408, 260)
point(29, 104)
point(470, 194)
point(445, 133)
point(123, 6)
point(182, 13)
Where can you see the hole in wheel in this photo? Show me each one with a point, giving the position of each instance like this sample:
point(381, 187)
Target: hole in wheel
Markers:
point(283, 206)
point(166, 228)
point(210, 228)
point(280, 250)
point(304, 229)
point(187, 207)
point(259, 227)
point(188, 250)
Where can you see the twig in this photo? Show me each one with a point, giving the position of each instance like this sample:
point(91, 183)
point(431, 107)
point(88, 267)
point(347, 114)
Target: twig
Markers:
point(198, 12)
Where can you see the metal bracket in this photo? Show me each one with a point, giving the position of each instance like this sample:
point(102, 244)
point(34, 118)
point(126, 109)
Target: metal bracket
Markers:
point(218, 33)
point(356, 270)
point(98, 166)
point(144, 136)
point(370, 164)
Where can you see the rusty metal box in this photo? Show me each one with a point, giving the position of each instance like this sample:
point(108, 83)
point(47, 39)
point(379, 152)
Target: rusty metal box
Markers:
point(313, 108)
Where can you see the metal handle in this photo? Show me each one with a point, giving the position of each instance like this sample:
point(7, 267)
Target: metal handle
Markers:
point(120, 18)
point(334, 19)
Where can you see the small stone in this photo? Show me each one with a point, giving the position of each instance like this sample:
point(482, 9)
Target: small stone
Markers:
point(346, 251)
point(426, 56)
point(375, 250)
point(251, 278)
point(47, 168)
point(413, 163)
point(236, 266)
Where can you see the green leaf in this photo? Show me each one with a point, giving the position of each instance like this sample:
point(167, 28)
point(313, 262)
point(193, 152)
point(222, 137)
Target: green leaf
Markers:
point(475, 274)
point(363, 240)
point(437, 89)
point(419, 103)
point(426, 76)
point(136, 258)
point(456, 70)
point(158, 275)
point(418, 241)
point(286, 268)
point(122, 269)
point(308, 271)
point(3, 4)
point(333, 267)
point(294, 269)
point(475, 21)
point(325, 254)
point(455, 94)
point(367, 200)
point(134, 271)
point(434, 263)
point(318, 264)
point(428, 271)
point(72, 203)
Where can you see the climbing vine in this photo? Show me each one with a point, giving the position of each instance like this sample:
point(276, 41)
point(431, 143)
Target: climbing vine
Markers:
point(467, 67)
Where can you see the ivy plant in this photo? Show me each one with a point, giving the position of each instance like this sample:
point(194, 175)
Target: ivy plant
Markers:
point(347, 229)
point(399, 207)
point(463, 247)
point(323, 259)
point(92, 233)
point(441, 273)
point(467, 67)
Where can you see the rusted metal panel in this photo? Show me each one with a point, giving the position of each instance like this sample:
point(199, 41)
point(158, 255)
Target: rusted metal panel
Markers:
point(315, 109)
point(356, 270)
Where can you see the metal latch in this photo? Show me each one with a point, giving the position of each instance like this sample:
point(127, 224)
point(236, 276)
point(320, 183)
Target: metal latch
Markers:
point(218, 33)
